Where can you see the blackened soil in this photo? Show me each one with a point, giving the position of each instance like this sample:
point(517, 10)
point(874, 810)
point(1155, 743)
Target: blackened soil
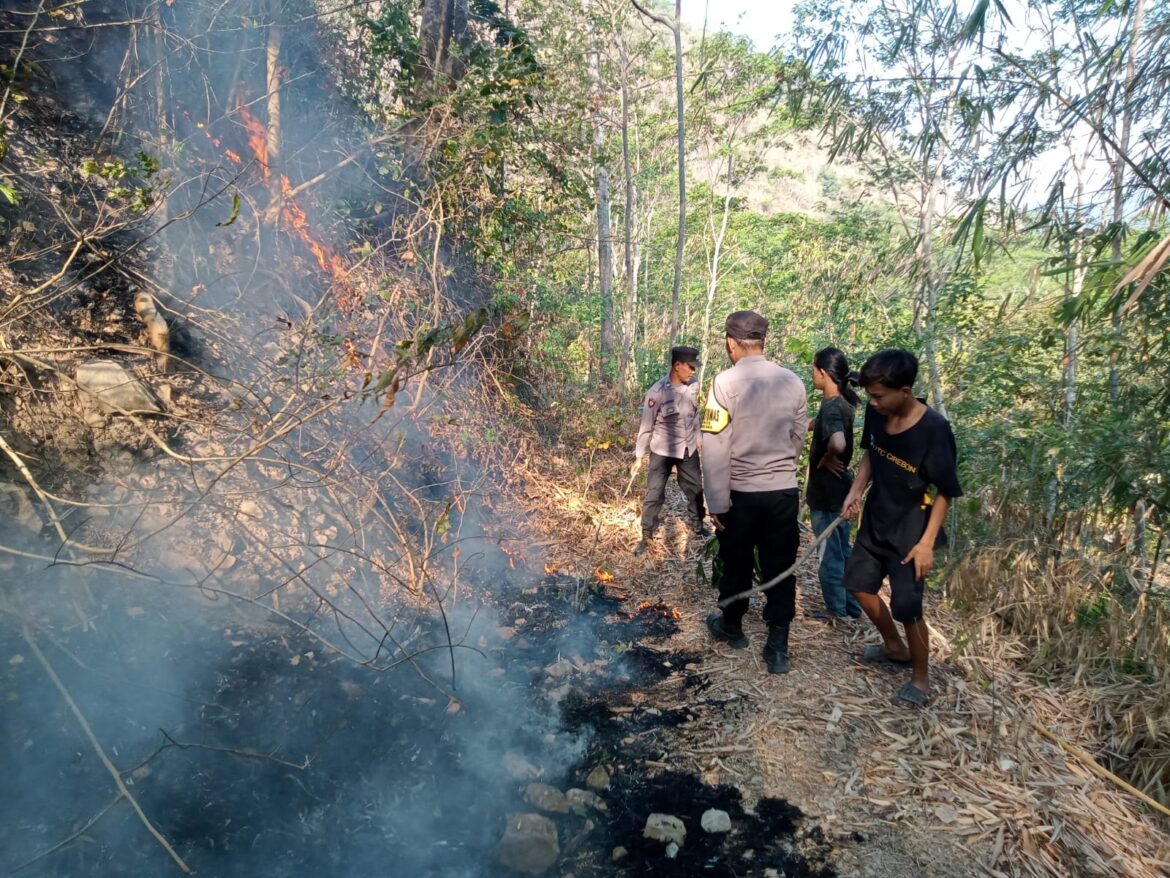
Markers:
point(257, 752)
point(627, 733)
point(768, 838)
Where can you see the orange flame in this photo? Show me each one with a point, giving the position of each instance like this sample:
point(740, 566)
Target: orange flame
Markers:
point(327, 258)
point(257, 136)
point(603, 575)
point(550, 569)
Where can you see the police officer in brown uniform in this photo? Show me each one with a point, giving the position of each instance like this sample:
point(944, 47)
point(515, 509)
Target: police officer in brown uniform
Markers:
point(669, 434)
point(753, 431)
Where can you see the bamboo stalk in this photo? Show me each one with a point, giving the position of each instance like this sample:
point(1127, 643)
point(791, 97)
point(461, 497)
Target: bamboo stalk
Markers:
point(98, 749)
point(1094, 766)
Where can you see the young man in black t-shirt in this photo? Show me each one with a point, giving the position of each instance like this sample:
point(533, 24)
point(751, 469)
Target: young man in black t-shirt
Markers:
point(909, 447)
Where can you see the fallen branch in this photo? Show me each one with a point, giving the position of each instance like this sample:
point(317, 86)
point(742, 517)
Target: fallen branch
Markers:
point(243, 754)
point(125, 793)
point(1094, 766)
point(32, 483)
point(72, 836)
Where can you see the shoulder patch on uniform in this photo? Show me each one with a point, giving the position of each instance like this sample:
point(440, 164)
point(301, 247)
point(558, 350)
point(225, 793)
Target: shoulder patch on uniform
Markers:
point(715, 417)
point(650, 402)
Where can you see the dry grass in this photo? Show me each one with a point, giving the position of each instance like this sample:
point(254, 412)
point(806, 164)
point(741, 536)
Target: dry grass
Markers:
point(1059, 619)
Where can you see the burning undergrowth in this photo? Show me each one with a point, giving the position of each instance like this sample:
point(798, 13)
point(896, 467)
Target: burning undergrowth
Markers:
point(267, 754)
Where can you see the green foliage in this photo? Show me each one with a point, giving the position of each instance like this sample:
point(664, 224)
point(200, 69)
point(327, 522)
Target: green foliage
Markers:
point(1092, 614)
point(477, 152)
point(133, 182)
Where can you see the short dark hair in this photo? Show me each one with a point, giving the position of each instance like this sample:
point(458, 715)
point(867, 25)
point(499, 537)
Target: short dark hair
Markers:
point(892, 368)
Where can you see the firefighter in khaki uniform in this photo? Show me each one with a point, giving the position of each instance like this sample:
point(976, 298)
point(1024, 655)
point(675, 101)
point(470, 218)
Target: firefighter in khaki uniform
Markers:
point(753, 431)
point(669, 434)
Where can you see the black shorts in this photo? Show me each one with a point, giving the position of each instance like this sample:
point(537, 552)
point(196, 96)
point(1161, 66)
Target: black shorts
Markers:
point(865, 571)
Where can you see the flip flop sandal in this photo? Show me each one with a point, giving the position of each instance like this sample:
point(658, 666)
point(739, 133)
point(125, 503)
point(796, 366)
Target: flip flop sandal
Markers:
point(875, 656)
point(911, 695)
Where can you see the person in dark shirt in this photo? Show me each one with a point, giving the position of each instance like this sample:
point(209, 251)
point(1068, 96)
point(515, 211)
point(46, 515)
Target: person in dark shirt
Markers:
point(829, 478)
point(909, 448)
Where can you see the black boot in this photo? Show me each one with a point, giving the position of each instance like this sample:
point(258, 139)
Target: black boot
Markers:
point(729, 633)
point(776, 649)
point(644, 543)
point(700, 530)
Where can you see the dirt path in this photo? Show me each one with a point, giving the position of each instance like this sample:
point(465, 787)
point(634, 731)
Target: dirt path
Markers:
point(806, 736)
point(964, 787)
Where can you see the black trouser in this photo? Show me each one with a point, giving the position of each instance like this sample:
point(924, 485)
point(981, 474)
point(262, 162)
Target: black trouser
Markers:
point(690, 479)
point(763, 522)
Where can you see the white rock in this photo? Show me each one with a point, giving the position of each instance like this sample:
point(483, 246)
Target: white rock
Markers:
point(671, 851)
point(664, 827)
point(714, 820)
point(250, 509)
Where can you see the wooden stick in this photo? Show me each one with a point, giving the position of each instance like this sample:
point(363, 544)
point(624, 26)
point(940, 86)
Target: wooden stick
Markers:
point(629, 484)
point(1097, 768)
point(32, 483)
point(84, 829)
point(776, 580)
point(98, 749)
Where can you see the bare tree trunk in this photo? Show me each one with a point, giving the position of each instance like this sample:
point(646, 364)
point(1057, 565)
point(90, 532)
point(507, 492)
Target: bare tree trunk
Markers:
point(682, 172)
point(631, 206)
point(161, 100)
point(442, 22)
point(272, 169)
point(604, 232)
point(713, 272)
point(1119, 178)
point(1075, 288)
point(928, 291)
point(676, 28)
point(931, 274)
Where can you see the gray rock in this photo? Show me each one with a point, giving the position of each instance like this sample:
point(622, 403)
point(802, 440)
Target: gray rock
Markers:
point(519, 768)
point(529, 844)
point(546, 798)
point(664, 827)
point(115, 389)
point(598, 779)
point(620, 853)
point(714, 820)
point(671, 851)
point(582, 800)
point(559, 669)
